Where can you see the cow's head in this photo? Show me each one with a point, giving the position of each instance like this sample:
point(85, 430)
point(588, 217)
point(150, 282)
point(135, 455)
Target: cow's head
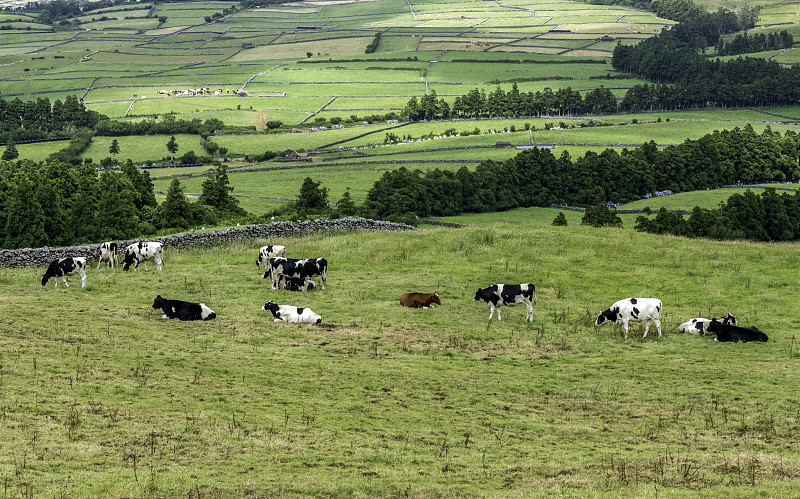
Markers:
point(730, 320)
point(483, 295)
point(45, 278)
point(129, 260)
point(158, 302)
point(713, 326)
point(309, 284)
point(267, 273)
point(435, 299)
point(271, 307)
point(608, 315)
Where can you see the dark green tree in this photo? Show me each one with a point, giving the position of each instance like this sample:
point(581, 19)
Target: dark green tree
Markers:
point(217, 193)
point(175, 208)
point(172, 146)
point(313, 198)
point(560, 220)
point(10, 153)
point(82, 215)
point(117, 206)
point(346, 207)
point(601, 216)
point(24, 224)
point(113, 149)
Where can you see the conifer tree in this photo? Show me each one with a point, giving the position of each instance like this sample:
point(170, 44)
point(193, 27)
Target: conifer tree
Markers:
point(176, 207)
point(117, 206)
point(10, 152)
point(25, 219)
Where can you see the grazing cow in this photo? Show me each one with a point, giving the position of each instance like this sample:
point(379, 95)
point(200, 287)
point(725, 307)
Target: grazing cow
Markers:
point(183, 310)
point(267, 252)
point(142, 252)
point(108, 254)
point(647, 310)
point(700, 325)
point(510, 295)
point(289, 313)
point(64, 267)
point(728, 332)
point(297, 284)
point(420, 300)
point(307, 268)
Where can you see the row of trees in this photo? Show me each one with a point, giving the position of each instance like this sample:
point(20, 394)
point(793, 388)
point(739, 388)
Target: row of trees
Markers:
point(743, 44)
point(57, 204)
point(537, 178)
point(477, 104)
point(38, 119)
point(676, 56)
point(766, 217)
point(166, 126)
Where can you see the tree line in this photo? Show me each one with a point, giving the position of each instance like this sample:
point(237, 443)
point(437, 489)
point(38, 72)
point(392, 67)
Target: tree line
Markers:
point(766, 217)
point(743, 44)
point(38, 119)
point(537, 178)
point(684, 77)
point(58, 204)
point(499, 103)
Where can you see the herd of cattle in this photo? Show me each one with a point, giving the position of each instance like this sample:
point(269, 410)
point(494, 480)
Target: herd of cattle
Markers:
point(297, 275)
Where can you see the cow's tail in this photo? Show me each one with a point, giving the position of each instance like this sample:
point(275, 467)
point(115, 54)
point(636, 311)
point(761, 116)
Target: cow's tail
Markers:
point(533, 287)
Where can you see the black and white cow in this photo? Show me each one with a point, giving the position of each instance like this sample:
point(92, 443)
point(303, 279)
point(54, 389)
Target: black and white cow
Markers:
point(282, 267)
point(297, 284)
point(108, 254)
point(647, 310)
point(64, 267)
point(510, 295)
point(183, 310)
point(141, 252)
point(728, 332)
point(267, 252)
point(289, 313)
point(699, 325)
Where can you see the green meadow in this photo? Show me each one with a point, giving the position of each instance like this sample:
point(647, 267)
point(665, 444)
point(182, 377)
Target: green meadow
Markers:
point(102, 397)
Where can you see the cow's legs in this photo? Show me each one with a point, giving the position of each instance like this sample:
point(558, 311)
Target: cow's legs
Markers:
point(498, 314)
point(491, 311)
point(63, 278)
point(658, 326)
point(625, 328)
point(646, 328)
point(529, 314)
point(158, 264)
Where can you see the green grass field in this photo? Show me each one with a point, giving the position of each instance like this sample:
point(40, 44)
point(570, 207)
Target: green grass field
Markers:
point(380, 400)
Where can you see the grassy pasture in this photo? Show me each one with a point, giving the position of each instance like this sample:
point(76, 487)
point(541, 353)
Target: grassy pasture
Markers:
point(688, 200)
point(138, 148)
point(384, 399)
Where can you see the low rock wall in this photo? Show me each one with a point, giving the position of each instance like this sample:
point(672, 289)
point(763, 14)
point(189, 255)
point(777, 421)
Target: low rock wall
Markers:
point(41, 257)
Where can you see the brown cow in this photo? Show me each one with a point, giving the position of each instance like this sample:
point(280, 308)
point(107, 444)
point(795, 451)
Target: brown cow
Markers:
point(420, 300)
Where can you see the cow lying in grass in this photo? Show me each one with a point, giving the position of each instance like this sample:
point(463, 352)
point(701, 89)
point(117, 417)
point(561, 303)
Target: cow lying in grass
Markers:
point(297, 284)
point(420, 300)
point(728, 332)
point(183, 310)
point(699, 325)
point(64, 267)
point(289, 313)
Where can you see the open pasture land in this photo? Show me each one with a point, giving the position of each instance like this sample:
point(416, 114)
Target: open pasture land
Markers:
point(143, 148)
point(704, 199)
point(381, 400)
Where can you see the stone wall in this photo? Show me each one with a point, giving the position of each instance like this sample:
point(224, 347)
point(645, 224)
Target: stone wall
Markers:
point(41, 257)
